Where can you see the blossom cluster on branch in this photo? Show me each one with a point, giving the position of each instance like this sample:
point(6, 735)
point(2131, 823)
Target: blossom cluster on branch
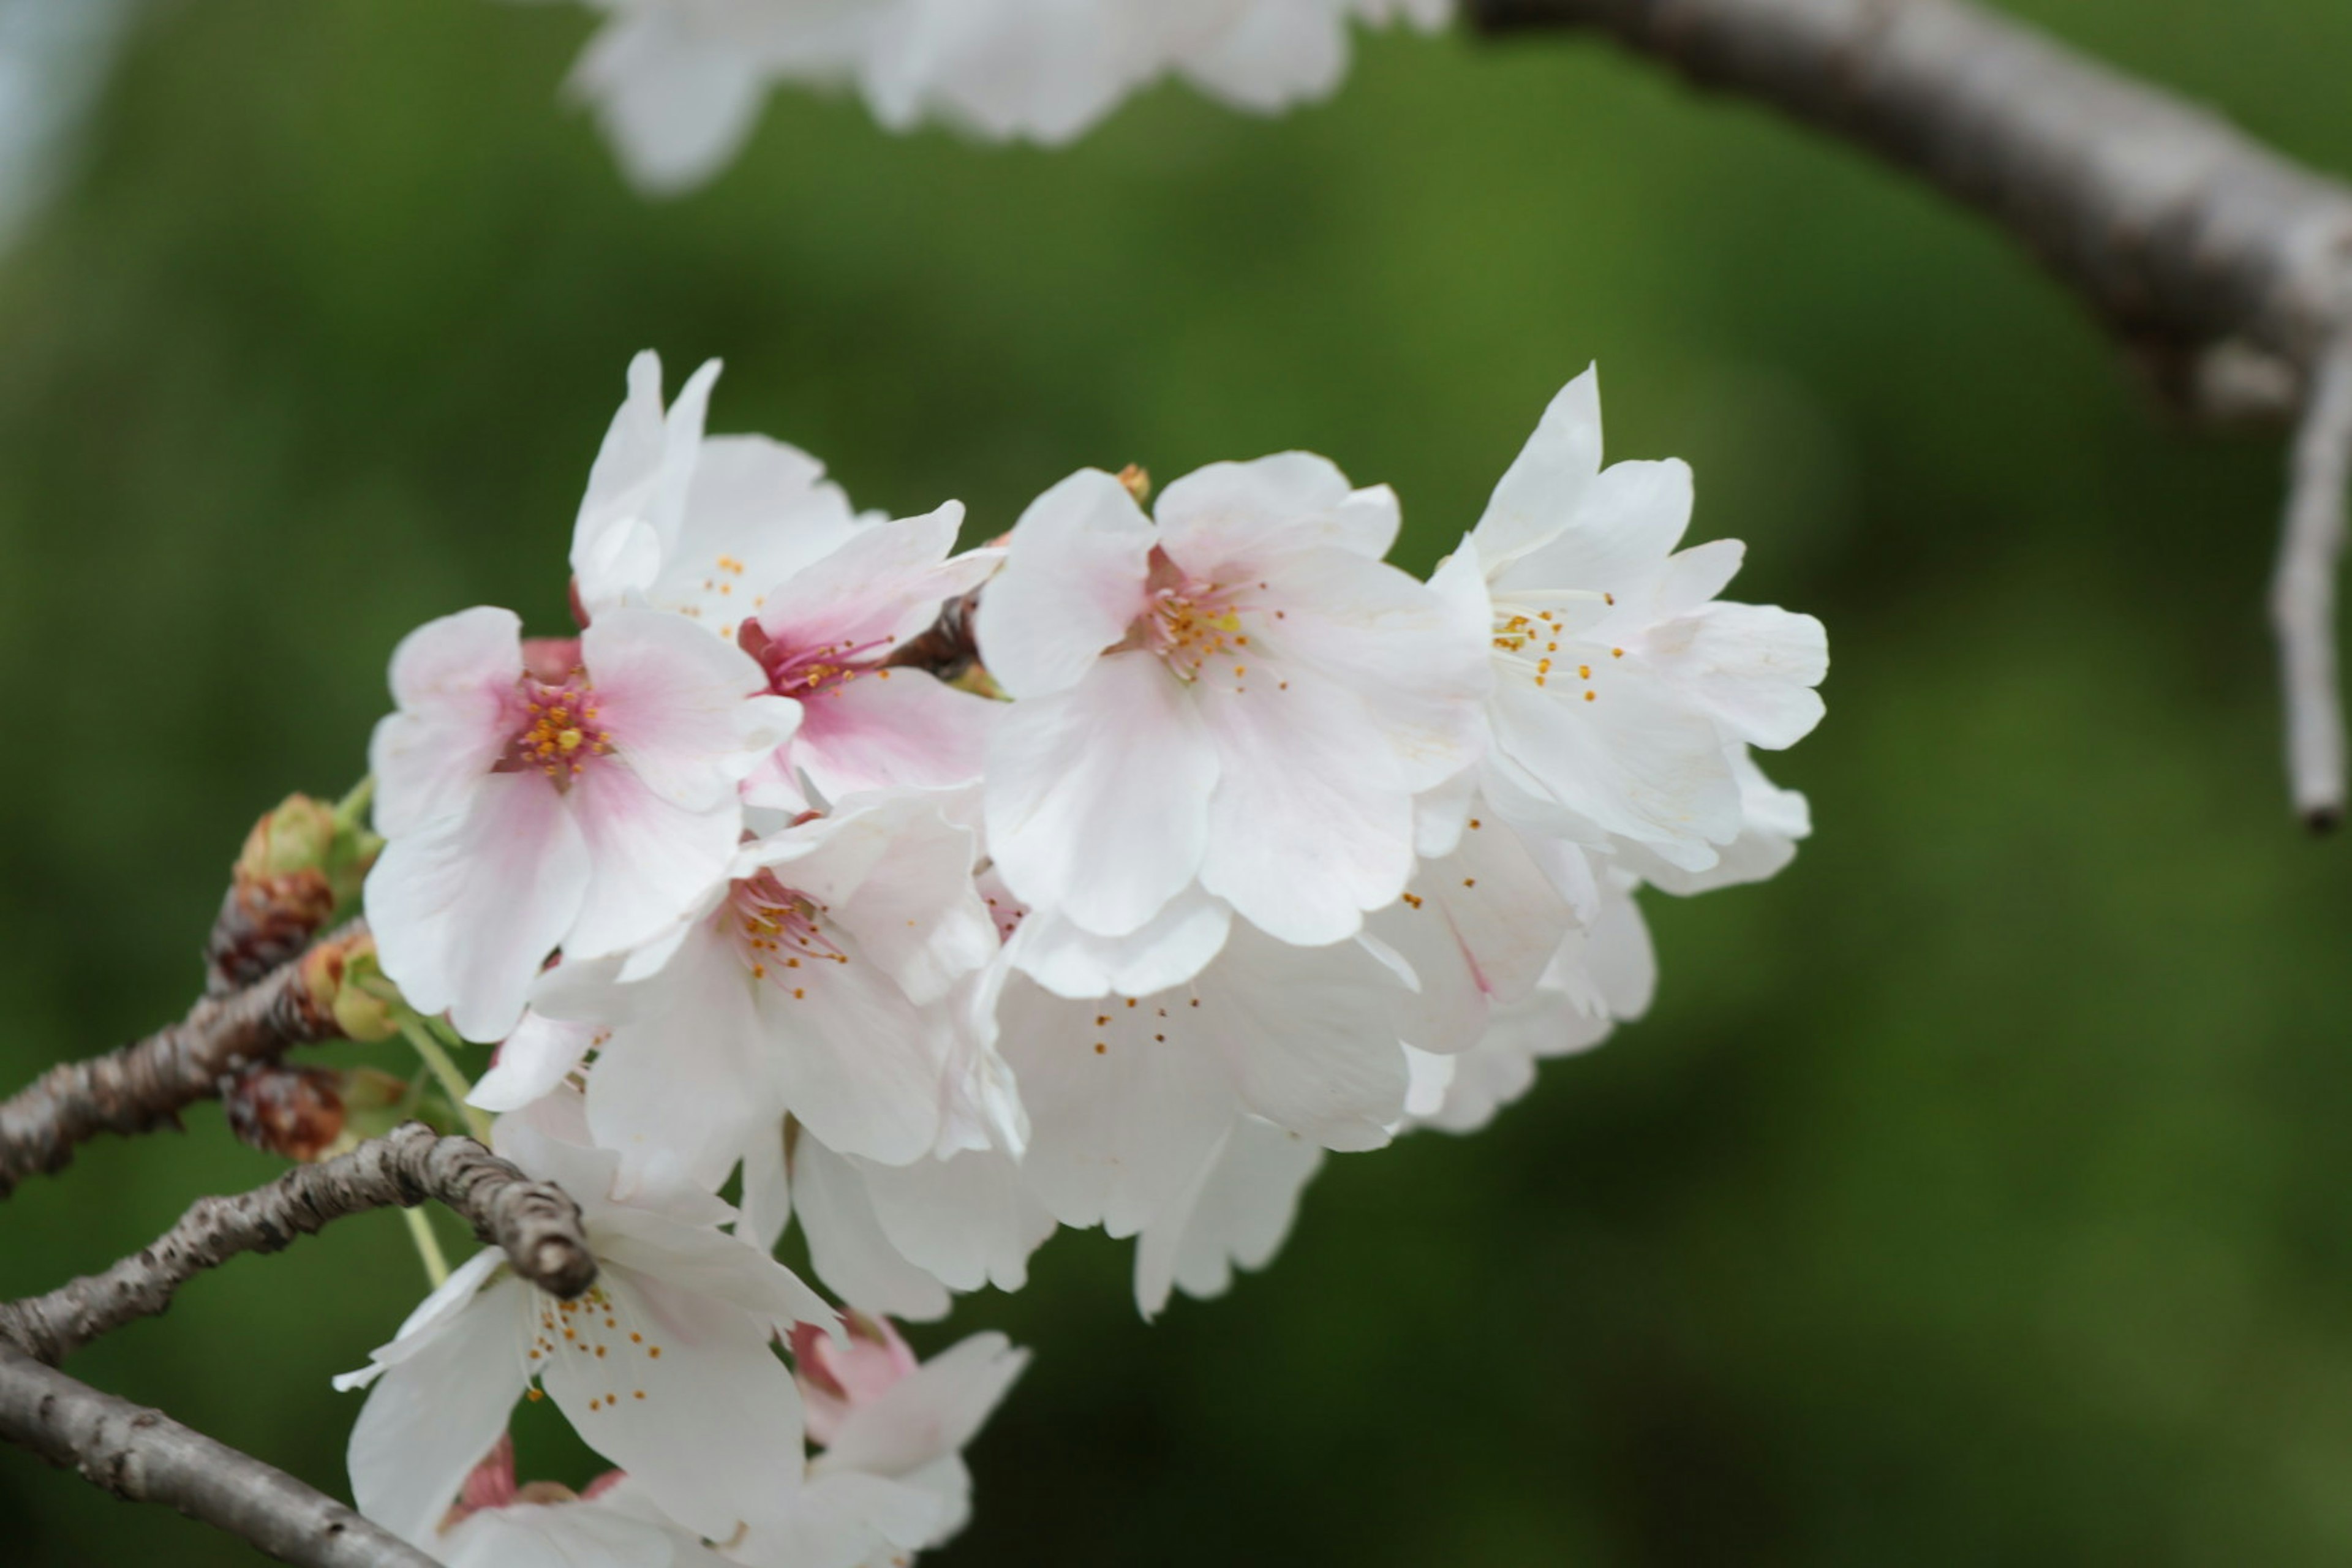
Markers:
point(678, 84)
point(1236, 846)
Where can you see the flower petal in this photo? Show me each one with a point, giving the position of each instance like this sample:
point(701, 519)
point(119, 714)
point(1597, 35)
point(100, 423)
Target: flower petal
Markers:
point(466, 909)
point(1098, 797)
point(1311, 823)
point(1540, 492)
point(1073, 580)
point(454, 679)
point(436, 1411)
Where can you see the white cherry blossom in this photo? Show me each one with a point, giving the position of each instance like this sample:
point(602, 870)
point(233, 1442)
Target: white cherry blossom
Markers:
point(1623, 685)
point(543, 794)
point(1133, 1101)
point(678, 83)
point(891, 1480)
point(663, 1366)
point(812, 978)
point(1230, 706)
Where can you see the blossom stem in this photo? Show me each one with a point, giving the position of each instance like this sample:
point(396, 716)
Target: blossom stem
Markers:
point(429, 1247)
point(353, 807)
point(454, 1082)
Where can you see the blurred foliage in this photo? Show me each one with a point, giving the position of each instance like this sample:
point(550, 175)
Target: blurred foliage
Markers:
point(1973, 1194)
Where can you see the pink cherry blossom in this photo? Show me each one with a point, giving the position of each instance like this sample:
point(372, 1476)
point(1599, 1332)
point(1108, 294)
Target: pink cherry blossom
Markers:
point(583, 798)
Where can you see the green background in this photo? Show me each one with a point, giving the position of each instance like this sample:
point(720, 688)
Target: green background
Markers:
point(1975, 1193)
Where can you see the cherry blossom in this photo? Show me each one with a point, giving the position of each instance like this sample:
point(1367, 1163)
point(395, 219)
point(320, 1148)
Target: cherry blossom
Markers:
point(677, 86)
point(811, 978)
point(1623, 685)
point(1230, 708)
point(1133, 1100)
point(891, 1480)
point(745, 536)
point(663, 1366)
point(553, 794)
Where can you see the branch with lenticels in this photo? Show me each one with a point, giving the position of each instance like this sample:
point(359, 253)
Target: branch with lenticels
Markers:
point(146, 1457)
point(146, 1084)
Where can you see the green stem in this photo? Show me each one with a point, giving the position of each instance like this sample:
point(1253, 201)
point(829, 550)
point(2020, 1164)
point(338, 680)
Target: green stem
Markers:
point(453, 1083)
point(353, 807)
point(429, 1247)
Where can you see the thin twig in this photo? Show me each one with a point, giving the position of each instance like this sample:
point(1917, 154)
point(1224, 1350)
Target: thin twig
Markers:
point(147, 1457)
point(2303, 592)
point(147, 1083)
point(534, 1223)
point(2224, 265)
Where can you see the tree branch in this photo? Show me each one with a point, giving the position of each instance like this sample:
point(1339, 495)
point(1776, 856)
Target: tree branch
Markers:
point(146, 1457)
point(2227, 263)
point(534, 1223)
point(2303, 591)
point(147, 1083)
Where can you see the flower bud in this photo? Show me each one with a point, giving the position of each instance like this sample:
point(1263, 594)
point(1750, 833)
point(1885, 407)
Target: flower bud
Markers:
point(838, 1375)
point(345, 982)
point(300, 864)
point(296, 1112)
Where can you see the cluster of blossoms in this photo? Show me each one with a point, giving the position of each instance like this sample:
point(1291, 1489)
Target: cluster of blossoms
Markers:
point(1237, 844)
point(679, 83)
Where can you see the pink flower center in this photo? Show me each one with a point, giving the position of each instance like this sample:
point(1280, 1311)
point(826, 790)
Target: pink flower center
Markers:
point(1191, 623)
point(779, 931)
point(559, 734)
point(808, 673)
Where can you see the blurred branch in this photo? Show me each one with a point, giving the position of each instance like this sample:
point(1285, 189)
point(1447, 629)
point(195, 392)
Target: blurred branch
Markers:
point(147, 1083)
point(146, 1457)
point(2303, 591)
point(2224, 266)
point(534, 1223)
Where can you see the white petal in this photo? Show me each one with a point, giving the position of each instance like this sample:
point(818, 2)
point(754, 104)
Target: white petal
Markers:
point(1546, 484)
point(1239, 1211)
point(709, 1264)
point(1415, 658)
point(846, 1245)
point(454, 679)
point(1072, 581)
point(1116, 1133)
point(533, 1060)
point(1311, 823)
point(1308, 1036)
point(675, 107)
point(717, 1439)
point(1632, 516)
point(1168, 949)
point(859, 1063)
point(436, 1412)
point(967, 1221)
point(655, 865)
point(1098, 797)
point(759, 511)
point(466, 910)
point(1231, 513)
point(1751, 668)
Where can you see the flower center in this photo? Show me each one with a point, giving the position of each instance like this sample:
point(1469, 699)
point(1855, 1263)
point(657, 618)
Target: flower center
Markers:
point(811, 672)
point(595, 1339)
point(1190, 623)
point(780, 931)
point(560, 734)
point(1526, 636)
